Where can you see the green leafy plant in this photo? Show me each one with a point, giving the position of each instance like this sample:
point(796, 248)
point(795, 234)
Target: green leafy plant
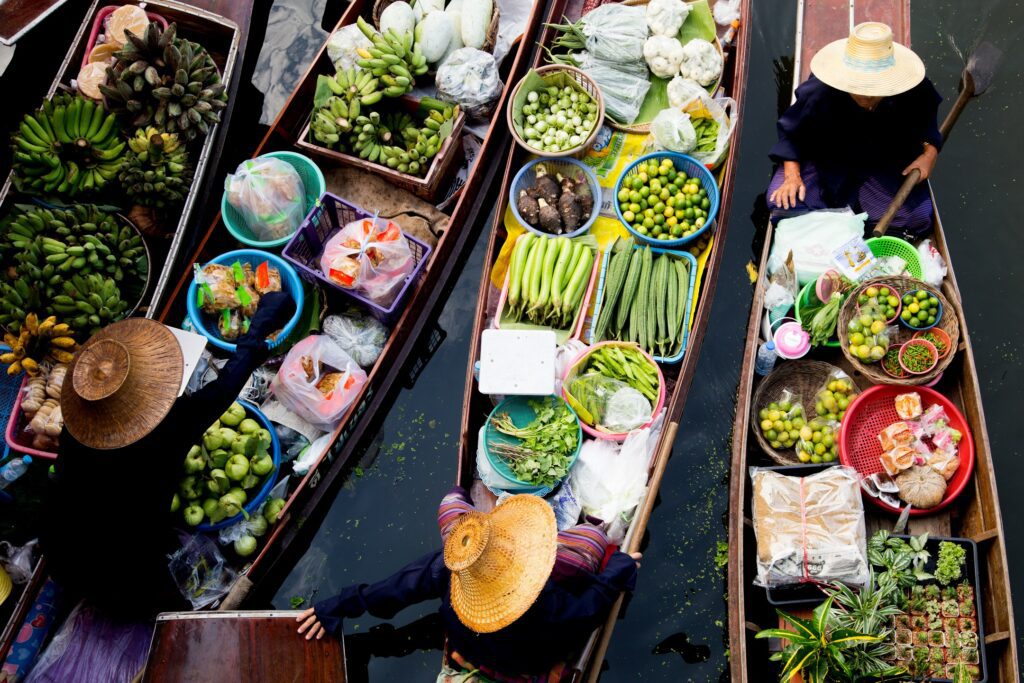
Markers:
point(869, 611)
point(949, 563)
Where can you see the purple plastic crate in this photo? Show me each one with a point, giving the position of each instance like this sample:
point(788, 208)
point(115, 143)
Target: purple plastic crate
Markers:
point(330, 215)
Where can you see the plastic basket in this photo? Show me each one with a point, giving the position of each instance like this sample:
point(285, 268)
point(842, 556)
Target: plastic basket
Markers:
point(894, 246)
point(567, 168)
point(313, 185)
point(331, 214)
point(10, 389)
point(938, 313)
point(691, 292)
point(97, 27)
point(578, 360)
point(16, 422)
point(521, 413)
point(556, 74)
point(692, 168)
point(253, 504)
point(289, 281)
point(873, 411)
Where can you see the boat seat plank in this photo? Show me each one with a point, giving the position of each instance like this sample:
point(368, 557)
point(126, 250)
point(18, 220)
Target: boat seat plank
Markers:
point(828, 20)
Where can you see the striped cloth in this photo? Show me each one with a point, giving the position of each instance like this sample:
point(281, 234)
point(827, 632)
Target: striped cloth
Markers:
point(581, 549)
point(913, 220)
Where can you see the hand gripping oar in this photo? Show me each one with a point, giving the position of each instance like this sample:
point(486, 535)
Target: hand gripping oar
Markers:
point(975, 79)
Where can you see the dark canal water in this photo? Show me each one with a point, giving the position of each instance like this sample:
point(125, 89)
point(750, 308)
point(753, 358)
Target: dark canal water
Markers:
point(675, 626)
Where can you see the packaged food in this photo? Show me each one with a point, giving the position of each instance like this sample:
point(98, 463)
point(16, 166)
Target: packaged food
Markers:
point(370, 255)
point(921, 486)
point(782, 419)
point(269, 194)
point(809, 528)
point(834, 396)
point(898, 459)
point(266, 279)
point(908, 406)
point(896, 434)
point(230, 324)
point(318, 381)
point(217, 287)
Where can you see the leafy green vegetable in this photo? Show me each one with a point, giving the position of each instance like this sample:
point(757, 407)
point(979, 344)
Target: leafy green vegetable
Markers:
point(948, 565)
point(823, 325)
point(545, 444)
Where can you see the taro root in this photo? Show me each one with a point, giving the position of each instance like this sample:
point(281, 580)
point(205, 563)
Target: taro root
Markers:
point(544, 186)
point(549, 219)
point(569, 210)
point(528, 207)
point(585, 197)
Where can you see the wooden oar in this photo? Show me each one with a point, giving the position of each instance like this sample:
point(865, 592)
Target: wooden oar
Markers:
point(975, 79)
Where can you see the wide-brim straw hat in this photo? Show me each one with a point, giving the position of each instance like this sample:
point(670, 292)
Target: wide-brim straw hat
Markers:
point(868, 63)
point(122, 383)
point(500, 561)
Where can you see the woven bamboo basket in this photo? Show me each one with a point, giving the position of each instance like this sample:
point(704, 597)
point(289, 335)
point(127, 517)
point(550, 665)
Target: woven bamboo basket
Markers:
point(646, 127)
point(950, 324)
point(802, 377)
point(585, 83)
point(490, 40)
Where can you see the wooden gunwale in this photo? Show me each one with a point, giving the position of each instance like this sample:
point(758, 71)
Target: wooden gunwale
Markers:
point(307, 503)
point(476, 406)
point(975, 515)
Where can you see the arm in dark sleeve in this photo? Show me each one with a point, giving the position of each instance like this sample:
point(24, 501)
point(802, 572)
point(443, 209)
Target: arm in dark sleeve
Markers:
point(792, 122)
point(929, 101)
point(424, 579)
point(587, 609)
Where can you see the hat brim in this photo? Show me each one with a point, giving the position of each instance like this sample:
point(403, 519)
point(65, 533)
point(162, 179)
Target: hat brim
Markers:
point(905, 73)
point(142, 402)
point(491, 605)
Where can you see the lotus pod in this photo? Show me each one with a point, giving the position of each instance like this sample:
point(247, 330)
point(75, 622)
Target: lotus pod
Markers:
point(159, 79)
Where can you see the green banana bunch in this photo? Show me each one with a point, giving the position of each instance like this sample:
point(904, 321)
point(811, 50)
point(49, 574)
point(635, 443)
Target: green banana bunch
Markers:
point(352, 91)
point(392, 58)
point(421, 144)
point(69, 146)
point(157, 171)
point(89, 302)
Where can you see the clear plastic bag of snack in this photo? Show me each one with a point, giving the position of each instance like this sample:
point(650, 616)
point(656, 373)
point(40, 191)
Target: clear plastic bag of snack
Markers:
point(608, 403)
point(269, 194)
point(217, 287)
point(809, 529)
point(318, 381)
point(834, 396)
point(819, 441)
point(869, 334)
point(782, 419)
point(359, 334)
point(370, 255)
point(264, 278)
point(231, 324)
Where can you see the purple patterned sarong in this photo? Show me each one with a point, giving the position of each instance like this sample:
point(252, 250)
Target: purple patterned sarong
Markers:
point(873, 197)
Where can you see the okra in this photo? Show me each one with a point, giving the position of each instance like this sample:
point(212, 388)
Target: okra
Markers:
point(629, 290)
point(639, 312)
point(618, 264)
point(683, 274)
point(660, 302)
point(671, 305)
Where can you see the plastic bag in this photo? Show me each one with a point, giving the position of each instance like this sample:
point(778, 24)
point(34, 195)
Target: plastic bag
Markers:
point(812, 238)
point(469, 77)
point(610, 481)
point(18, 561)
point(933, 265)
point(616, 32)
point(370, 255)
point(691, 98)
point(361, 336)
point(726, 12)
point(564, 356)
point(318, 381)
point(342, 46)
point(269, 194)
point(782, 288)
point(623, 85)
point(217, 287)
point(566, 505)
point(782, 419)
point(671, 129)
point(292, 442)
point(613, 405)
point(819, 441)
point(809, 528)
point(312, 454)
point(199, 570)
point(834, 396)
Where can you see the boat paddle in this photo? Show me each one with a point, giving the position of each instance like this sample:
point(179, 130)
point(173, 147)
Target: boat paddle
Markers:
point(975, 80)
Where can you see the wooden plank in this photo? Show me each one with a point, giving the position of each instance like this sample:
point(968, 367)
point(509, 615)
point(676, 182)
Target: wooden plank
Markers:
point(249, 647)
point(18, 17)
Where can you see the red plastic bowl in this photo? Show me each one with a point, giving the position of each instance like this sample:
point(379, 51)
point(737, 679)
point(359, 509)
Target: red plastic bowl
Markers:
point(873, 411)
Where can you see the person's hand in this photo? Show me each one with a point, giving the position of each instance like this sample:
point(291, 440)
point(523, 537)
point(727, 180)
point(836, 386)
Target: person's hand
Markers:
point(789, 192)
point(311, 624)
point(275, 309)
point(636, 558)
point(924, 163)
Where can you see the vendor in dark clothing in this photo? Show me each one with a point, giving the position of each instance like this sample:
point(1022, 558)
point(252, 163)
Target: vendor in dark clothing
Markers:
point(109, 528)
point(860, 123)
point(517, 596)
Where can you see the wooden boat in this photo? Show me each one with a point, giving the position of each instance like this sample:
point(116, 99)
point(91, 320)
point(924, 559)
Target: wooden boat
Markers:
point(239, 646)
point(223, 36)
point(465, 205)
point(975, 514)
point(223, 25)
point(18, 17)
point(477, 406)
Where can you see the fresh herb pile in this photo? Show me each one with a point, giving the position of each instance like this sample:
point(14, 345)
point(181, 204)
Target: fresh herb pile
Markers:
point(938, 342)
point(545, 445)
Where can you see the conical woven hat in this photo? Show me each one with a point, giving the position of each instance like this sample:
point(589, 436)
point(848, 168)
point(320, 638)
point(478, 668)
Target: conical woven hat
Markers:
point(122, 383)
point(500, 561)
point(5, 585)
point(868, 63)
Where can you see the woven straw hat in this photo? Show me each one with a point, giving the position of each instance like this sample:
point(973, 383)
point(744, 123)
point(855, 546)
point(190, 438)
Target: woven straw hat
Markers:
point(500, 561)
point(123, 382)
point(868, 63)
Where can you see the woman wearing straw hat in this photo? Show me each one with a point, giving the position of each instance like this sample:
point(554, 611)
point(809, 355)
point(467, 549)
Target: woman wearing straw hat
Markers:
point(864, 119)
point(108, 526)
point(517, 596)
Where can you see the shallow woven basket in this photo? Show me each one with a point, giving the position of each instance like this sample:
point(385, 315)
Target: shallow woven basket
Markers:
point(949, 324)
point(490, 40)
point(586, 83)
point(803, 378)
point(646, 127)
